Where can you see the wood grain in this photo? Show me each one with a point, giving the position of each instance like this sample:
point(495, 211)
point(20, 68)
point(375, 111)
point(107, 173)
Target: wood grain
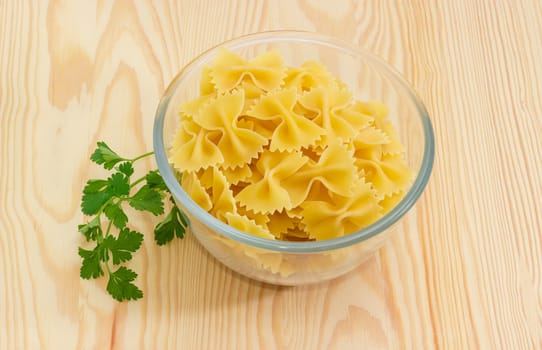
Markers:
point(465, 272)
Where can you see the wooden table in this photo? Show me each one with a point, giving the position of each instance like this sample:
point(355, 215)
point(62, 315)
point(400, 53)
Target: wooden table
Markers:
point(466, 271)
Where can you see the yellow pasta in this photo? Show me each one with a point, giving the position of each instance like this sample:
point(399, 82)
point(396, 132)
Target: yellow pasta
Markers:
point(334, 169)
point(280, 222)
point(222, 196)
point(368, 137)
point(388, 174)
point(311, 74)
point(206, 178)
point(286, 152)
point(193, 147)
point(245, 224)
point(265, 71)
point(258, 218)
point(206, 86)
point(267, 195)
point(191, 108)
point(195, 190)
point(239, 174)
point(237, 145)
point(389, 202)
point(333, 114)
point(380, 113)
point(252, 94)
point(293, 130)
point(341, 214)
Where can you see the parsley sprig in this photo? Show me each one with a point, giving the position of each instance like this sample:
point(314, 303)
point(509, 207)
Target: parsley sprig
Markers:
point(113, 242)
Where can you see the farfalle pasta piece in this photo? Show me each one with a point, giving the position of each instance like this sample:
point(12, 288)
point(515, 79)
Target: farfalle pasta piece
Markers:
point(369, 137)
point(266, 71)
point(313, 152)
point(206, 177)
point(245, 224)
point(334, 114)
point(295, 212)
point(297, 232)
point(390, 202)
point(394, 147)
point(222, 196)
point(280, 222)
point(371, 152)
point(307, 113)
point(266, 195)
point(252, 95)
point(264, 128)
point(318, 192)
point(293, 131)
point(207, 91)
point(296, 235)
point(193, 148)
point(191, 108)
point(238, 145)
point(195, 190)
point(258, 218)
point(381, 122)
point(238, 174)
point(335, 170)
point(212, 182)
point(355, 118)
point(388, 174)
point(309, 75)
point(206, 84)
point(341, 215)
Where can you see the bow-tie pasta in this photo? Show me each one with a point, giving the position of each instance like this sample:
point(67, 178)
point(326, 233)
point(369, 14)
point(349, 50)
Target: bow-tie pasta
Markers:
point(287, 153)
point(266, 71)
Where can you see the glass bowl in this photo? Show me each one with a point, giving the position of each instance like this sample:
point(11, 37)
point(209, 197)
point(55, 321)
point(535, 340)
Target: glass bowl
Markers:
point(295, 263)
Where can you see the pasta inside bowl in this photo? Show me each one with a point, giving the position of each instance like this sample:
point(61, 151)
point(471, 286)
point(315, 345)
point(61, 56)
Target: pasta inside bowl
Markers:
point(298, 153)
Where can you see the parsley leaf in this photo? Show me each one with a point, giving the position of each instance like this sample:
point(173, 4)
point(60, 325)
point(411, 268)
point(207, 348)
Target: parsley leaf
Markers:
point(94, 186)
point(92, 202)
point(155, 181)
point(147, 199)
point(91, 266)
point(120, 285)
point(105, 156)
point(91, 229)
point(124, 245)
point(118, 185)
point(115, 213)
point(126, 168)
point(174, 224)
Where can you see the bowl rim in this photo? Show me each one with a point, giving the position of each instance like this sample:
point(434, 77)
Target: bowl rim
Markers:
point(222, 228)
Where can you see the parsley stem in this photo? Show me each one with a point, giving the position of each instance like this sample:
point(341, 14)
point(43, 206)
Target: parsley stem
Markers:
point(100, 237)
point(141, 156)
point(108, 228)
point(100, 212)
point(133, 184)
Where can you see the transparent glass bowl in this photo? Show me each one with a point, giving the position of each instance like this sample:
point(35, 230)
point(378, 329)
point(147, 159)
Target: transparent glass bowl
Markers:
point(294, 263)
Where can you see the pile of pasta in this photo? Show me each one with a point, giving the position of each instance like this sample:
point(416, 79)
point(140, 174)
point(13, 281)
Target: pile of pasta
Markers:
point(286, 152)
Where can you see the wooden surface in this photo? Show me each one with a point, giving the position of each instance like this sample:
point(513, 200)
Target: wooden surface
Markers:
point(466, 273)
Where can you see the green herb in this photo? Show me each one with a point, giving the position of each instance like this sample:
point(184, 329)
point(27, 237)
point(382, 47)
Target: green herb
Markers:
point(113, 242)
